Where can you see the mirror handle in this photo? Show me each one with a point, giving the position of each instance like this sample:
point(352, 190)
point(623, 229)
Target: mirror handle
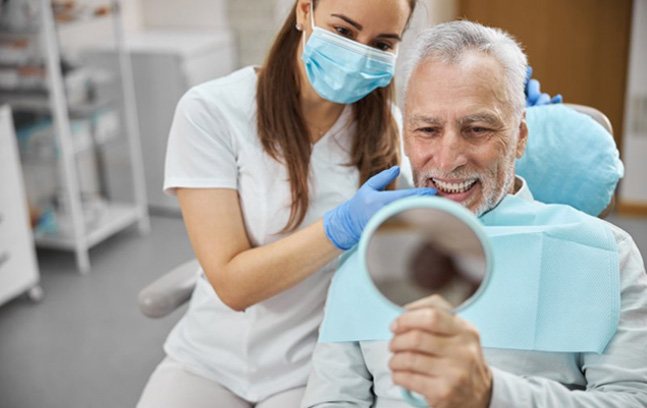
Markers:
point(414, 399)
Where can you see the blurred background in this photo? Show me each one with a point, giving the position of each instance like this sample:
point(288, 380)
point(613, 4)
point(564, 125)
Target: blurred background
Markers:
point(88, 90)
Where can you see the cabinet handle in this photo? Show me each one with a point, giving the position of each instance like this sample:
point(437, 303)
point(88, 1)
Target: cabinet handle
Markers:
point(4, 257)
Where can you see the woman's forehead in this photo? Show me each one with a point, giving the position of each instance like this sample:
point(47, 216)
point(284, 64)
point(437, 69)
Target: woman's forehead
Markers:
point(378, 16)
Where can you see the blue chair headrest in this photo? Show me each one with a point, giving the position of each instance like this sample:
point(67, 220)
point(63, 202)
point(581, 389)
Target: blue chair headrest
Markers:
point(570, 159)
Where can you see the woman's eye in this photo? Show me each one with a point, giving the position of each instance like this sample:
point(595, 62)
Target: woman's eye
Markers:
point(344, 32)
point(382, 46)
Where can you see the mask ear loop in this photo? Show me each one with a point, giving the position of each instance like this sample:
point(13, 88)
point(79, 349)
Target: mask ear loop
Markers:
point(312, 23)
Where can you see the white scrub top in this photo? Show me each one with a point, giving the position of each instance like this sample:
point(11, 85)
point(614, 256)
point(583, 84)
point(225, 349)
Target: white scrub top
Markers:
point(214, 143)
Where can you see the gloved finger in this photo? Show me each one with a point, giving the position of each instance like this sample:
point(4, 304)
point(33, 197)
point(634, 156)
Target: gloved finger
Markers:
point(557, 99)
point(383, 178)
point(528, 73)
point(389, 196)
point(543, 99)
point(532, 91)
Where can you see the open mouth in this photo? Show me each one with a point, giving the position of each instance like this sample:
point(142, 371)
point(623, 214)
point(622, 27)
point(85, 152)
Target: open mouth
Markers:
point(457, 190)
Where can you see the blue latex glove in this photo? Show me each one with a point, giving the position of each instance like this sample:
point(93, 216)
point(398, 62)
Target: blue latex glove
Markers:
point(344, 224)
point(534, 96)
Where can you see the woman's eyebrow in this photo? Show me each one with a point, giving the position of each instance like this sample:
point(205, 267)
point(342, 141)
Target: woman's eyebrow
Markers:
point(392, 36)
point(349, 21)
point(360, 27)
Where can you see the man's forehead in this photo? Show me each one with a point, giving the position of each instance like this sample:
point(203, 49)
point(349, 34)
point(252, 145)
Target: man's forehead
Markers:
point(471, 73)
point(477, 63)
point(468, 90)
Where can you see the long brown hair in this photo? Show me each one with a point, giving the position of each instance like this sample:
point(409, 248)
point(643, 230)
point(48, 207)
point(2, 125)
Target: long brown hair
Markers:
point(282, 128)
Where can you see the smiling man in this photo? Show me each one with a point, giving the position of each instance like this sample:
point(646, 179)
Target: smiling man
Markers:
point(464, 127)
point(465, 124)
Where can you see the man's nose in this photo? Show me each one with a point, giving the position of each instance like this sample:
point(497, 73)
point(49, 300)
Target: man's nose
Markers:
point(451, 152)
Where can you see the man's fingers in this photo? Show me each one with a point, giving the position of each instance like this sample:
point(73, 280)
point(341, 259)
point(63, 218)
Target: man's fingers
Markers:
point(436, 301)
point(420, 341)
point(418, 363)
point(430, 319)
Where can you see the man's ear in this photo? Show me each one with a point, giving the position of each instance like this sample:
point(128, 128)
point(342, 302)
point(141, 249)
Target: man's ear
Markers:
point(522, 140)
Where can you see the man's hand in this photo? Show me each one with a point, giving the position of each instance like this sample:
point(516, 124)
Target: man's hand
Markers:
point(438, 355)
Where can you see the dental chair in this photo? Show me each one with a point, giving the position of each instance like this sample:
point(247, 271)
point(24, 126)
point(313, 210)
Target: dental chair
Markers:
point(173, 289)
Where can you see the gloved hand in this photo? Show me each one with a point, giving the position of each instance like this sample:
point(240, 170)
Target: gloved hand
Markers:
point(534, 97)
point(344, 224)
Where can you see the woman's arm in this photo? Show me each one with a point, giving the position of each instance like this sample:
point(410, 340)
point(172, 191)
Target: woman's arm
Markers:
point(241, 275)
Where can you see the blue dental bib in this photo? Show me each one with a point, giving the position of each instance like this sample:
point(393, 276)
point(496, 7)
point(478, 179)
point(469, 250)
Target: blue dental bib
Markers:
point(554, 285)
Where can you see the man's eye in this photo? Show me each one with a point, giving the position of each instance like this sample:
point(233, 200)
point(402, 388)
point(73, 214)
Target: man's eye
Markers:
point(478, 131)
point(427, 131)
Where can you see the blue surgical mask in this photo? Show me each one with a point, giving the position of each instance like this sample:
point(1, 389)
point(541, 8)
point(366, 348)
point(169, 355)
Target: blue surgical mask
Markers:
point(342, 70)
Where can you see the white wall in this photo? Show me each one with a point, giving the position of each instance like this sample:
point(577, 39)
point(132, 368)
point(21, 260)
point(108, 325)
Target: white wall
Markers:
point(185, 14)
point(77, 36)
point(441, 11)
point(634, 186)
point(256, 31)
point(254, 23)
point(428, 12)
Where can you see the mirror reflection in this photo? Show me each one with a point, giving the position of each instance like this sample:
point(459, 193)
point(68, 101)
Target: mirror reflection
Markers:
point(425, 251)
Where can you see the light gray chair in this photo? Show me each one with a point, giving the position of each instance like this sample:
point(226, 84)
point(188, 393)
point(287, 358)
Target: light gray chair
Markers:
point(170, 291)
point(175, 287)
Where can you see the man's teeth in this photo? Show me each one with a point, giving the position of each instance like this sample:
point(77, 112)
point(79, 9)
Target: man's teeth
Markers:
point(454, 188)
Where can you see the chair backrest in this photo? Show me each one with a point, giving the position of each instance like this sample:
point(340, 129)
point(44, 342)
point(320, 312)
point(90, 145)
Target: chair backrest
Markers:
point(604, 121)
point(595, 114)
point(571, 157)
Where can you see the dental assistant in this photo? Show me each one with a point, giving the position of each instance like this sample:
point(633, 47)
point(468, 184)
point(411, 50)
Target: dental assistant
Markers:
point(266, 164)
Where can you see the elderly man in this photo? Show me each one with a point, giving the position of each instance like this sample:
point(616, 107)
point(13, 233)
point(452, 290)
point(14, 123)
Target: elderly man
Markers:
point(464, 127)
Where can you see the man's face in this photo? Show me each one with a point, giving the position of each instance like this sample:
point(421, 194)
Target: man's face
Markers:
point(461, 133)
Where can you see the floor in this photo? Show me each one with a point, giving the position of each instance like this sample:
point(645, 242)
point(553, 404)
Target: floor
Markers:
point(86, 344)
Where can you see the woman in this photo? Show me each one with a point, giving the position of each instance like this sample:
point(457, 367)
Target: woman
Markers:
point(266, 164)
point(256, 159)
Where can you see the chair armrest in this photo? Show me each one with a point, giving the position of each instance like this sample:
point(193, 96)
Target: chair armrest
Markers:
point(169, 291)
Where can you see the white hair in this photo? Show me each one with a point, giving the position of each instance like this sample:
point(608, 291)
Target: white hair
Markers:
point(449, 42)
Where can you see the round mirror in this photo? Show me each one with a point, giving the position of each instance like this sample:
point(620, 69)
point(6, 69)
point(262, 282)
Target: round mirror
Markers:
point(433, 249)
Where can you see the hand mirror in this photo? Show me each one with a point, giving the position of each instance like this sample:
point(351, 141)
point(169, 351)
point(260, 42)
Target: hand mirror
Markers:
point(425, 246)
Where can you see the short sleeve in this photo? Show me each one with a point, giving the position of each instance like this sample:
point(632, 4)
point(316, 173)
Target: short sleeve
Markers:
point(200, 151)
